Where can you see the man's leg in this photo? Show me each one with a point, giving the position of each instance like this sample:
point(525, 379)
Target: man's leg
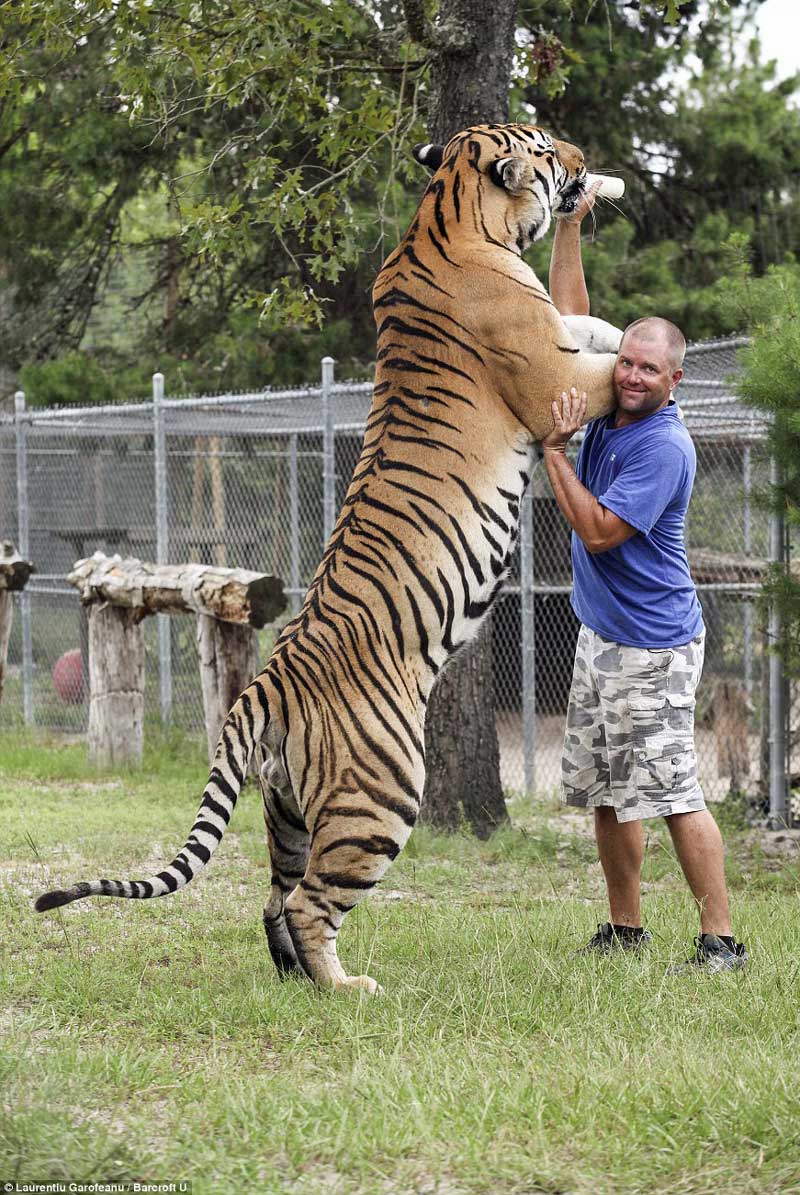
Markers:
point(586, 781)
point(621, 849)
point(698, 845)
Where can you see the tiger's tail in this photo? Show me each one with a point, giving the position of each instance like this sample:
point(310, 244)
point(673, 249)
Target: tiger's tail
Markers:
point(243, 728)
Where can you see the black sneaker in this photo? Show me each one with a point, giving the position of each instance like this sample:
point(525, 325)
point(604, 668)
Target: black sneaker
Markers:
point(714, 954)
point(616, 937)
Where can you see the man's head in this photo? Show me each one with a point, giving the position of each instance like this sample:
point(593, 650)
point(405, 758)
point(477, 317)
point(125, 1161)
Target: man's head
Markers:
point(648, 367)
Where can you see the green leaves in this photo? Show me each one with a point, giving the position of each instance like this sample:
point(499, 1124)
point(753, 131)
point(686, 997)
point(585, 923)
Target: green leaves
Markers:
point(253, 156)
point(771, 369)
point(266, 119)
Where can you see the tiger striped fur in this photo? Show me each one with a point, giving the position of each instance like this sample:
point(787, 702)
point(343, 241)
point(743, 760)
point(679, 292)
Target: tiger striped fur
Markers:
point(470, 354)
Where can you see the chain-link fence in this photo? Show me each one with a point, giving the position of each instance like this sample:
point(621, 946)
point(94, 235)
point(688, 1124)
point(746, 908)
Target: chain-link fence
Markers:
point(255, 480)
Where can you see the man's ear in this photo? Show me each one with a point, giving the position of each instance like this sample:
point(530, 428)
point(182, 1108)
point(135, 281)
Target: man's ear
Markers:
point(429, 155)
point(509, 173)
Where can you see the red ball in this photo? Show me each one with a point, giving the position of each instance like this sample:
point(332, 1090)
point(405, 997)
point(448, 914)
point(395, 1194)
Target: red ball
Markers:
point(68, 677)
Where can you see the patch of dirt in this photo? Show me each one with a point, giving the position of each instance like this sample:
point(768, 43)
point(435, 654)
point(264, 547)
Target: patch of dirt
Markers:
point(778, 847)
point(775, 841)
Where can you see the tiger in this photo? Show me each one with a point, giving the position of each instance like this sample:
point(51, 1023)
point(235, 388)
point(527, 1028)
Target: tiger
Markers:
point(470, 354)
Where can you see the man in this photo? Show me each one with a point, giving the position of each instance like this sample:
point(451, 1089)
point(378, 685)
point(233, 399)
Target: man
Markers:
point(629, 744)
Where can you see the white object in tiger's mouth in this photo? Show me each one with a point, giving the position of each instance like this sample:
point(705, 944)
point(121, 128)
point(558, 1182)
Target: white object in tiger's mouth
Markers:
point(610, 187)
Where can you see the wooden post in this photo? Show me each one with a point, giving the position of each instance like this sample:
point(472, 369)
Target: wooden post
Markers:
point(731, 719)
point(116, 685)
point(230, 605)
point(228, 662)
point(198, 475)
point(217, 497)
point(14, 573)
point(6, 614)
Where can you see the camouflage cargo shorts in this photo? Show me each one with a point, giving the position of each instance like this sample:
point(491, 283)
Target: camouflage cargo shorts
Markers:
point(629, 741)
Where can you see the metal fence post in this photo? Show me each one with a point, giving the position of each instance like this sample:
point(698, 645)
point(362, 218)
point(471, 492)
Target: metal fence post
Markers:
point(778, 787)
point(294, 526)
point(747, 544)
point(162, 544)
point(23, 536)
point(328, 452)
point(528, 638)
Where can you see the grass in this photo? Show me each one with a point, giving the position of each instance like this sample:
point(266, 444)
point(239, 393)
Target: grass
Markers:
point(155, 1042)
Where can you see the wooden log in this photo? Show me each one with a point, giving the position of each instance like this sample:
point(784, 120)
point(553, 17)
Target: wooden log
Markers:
point(731, 725)
point(116, 686)
point(720, 568)
point(709, 568)
point(14, 573)
point(233, 595)
point(228, 662)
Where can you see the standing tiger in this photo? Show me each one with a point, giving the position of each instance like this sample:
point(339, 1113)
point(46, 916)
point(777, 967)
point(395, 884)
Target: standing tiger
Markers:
point(470, 354)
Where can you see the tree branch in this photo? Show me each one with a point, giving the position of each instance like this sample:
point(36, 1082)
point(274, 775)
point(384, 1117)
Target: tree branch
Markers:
point(450, 37)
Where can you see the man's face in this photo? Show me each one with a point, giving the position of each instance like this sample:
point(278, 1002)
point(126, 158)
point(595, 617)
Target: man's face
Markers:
point(644, 376)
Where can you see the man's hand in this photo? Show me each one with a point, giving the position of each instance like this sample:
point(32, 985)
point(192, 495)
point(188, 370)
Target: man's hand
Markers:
point(568, 416)
point(584, 207)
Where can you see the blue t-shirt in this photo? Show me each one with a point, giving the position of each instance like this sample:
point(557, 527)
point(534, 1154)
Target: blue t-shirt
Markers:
point(640, 593)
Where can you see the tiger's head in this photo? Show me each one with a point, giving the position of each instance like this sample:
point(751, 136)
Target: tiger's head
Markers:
point(508, 180)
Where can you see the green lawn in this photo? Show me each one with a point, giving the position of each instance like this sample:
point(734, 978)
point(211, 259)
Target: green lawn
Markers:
point(154, 1041)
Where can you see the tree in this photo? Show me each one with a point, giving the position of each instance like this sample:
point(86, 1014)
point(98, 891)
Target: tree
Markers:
point(768, 307)
point(256, 125)
point(703, 155)
point(234, 157)
point(469, 76)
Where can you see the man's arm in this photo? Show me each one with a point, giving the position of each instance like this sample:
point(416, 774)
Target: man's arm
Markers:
point(566, 281)
point(597, 528)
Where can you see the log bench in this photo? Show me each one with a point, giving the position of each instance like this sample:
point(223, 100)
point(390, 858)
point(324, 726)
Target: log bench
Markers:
point(230, 604)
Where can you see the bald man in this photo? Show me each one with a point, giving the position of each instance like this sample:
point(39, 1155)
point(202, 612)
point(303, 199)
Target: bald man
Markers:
point(629, 744)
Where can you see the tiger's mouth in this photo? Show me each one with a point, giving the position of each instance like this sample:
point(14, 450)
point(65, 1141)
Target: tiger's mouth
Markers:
point(571, 196)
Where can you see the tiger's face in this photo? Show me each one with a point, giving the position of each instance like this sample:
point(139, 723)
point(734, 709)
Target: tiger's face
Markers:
point(511, 179)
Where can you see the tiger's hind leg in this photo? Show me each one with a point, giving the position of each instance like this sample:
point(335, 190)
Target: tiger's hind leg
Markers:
point(288, 841)
point(350, 851)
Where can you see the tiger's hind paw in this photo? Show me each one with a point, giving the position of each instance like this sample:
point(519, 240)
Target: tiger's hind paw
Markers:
point(363, 982)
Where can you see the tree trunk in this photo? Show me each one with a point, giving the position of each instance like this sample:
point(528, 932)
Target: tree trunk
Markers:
point(731, 731)
point(472, 50)
point(462, 785)
point(471, 72)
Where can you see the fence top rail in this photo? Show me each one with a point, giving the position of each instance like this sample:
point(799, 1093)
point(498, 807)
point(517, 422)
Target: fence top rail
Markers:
point(49, 414)
point(309, 419)
point(704, 383)
point(230, 400)
point(120, 410)
point(112, 412)
point(730, 402)
point(713, 346)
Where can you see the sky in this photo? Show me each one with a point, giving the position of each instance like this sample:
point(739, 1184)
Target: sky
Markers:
point(779, 25)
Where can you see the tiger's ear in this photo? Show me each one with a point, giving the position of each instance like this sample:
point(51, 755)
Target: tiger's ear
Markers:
point(510, 174)
point(429, 155)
